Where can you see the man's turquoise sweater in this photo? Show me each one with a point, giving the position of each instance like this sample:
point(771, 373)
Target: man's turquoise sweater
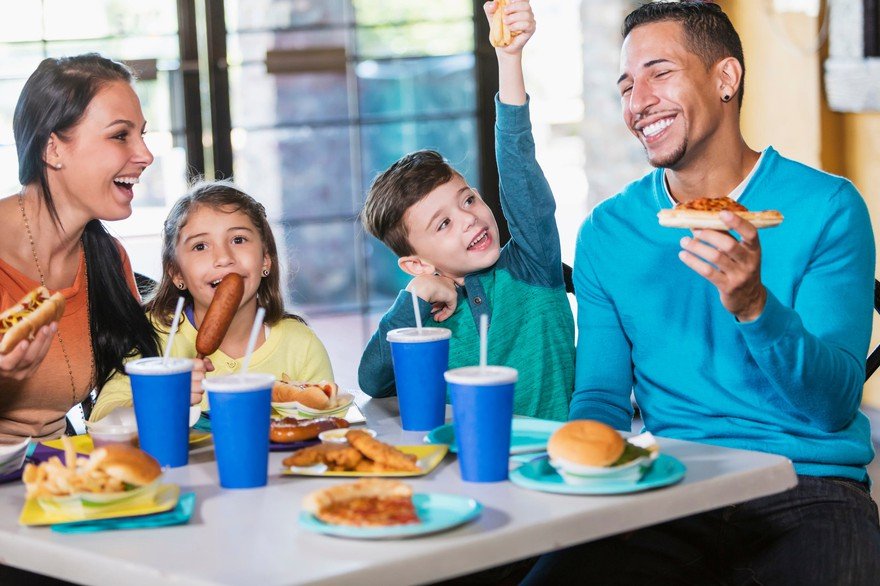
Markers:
point(788, 383)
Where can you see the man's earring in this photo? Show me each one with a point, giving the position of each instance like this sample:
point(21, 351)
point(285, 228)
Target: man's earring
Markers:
point(725, 98)
point(265, 272)
point(181, 286)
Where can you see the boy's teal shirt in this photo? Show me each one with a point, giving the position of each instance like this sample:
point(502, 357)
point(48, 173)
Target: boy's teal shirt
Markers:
point(530, 324)
point(788, 383)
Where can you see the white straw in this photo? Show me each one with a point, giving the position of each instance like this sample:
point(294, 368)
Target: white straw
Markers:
point(175, 325)
point(417, 313)
point(255, 331)
point(484, 335)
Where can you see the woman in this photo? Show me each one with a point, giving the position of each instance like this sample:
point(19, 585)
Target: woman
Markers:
point(79, 132)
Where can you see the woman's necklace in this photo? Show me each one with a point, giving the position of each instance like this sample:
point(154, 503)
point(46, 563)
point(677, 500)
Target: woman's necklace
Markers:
point(27, 227)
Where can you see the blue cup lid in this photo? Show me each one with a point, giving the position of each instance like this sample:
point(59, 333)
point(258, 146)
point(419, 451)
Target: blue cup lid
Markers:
point(416, 336)
point(238, 382)
point(481, 376)
point(158, 366)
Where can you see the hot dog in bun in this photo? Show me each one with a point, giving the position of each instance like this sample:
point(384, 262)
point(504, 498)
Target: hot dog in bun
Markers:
point(703, 213)
point(312, 395)
point(22, 321)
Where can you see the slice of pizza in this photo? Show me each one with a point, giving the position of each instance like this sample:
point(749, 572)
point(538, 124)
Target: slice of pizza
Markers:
point(703, 213)
point(369, 502)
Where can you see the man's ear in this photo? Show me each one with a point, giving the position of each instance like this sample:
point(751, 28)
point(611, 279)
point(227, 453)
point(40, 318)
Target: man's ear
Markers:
point(415, 266)
point(729, 77)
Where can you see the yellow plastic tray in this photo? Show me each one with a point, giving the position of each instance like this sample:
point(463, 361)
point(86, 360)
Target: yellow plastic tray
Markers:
point(83, 443)
point(166, 499)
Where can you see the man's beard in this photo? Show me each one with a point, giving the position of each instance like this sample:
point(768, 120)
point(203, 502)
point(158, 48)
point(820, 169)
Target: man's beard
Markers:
point(670, 160)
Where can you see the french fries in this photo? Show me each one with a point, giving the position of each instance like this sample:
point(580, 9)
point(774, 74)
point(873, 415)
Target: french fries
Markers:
point(53, 478)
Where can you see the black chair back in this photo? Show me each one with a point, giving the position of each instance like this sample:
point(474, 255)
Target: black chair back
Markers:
point(874, 358)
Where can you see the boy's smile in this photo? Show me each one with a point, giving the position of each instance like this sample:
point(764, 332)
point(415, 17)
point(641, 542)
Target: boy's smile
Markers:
point(453, 229)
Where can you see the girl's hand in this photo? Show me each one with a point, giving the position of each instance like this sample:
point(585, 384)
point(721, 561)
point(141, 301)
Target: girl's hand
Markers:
point(200, 367)
point(24, 360)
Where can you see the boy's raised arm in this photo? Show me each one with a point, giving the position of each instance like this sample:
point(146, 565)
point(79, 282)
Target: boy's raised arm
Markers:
point(526, 198)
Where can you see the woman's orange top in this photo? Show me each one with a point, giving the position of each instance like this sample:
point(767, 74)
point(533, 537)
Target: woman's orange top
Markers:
point(36, 407)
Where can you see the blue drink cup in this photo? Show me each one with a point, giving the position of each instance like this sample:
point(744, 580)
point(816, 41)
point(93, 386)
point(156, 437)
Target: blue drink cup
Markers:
point(160, 390)
point(240, 412)
point(482, 411)
point(420, 358)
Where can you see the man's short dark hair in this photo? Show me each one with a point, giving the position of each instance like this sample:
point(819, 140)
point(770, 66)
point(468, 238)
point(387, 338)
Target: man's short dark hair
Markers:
point(402, 185)
point(707, 30)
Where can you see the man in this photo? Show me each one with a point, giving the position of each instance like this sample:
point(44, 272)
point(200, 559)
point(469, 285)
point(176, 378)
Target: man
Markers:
point(740, 341)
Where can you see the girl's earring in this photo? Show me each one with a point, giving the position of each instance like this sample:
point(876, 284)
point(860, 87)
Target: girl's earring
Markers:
point(181, 286)
point(265, 272)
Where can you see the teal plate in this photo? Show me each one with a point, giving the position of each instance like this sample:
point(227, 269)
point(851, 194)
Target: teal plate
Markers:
point(527, 435)
point(540, 475)
point(438, 512)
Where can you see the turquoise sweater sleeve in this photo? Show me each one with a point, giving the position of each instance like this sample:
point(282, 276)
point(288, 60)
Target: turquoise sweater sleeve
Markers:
point(603, 367)
point(526, 200)
point(819, 343)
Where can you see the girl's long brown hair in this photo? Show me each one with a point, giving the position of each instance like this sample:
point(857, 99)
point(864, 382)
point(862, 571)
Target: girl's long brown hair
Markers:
point(223, 196)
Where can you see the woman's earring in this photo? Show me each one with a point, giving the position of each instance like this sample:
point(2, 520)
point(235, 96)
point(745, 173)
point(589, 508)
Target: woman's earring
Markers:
point(725, 98)
point(265, 272)
point(57, 165)
point(181, 286)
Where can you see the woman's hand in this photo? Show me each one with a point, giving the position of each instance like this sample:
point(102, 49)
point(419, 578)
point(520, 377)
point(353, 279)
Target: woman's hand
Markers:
point(200, 367)
point(24, 360)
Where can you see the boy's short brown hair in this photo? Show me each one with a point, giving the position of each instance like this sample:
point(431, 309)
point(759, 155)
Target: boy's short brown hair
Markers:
point(401, 186)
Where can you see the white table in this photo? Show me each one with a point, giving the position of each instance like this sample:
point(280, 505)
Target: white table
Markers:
point(251, 537)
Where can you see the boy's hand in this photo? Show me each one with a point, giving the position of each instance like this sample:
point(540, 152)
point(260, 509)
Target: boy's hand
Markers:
point(200, 367)
point(439, 291)
point(519, 19)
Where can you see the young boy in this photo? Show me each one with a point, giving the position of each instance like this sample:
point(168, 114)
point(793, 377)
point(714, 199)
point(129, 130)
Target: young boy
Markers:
point(447, 239)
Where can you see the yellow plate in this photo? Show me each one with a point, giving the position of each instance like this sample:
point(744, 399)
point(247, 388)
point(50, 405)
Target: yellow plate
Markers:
point(166, 499)
point(429, 456)
point(83, 443)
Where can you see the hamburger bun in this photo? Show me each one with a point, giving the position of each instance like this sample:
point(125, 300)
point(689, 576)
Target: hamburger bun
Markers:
point(586, 442)
point(126, 463)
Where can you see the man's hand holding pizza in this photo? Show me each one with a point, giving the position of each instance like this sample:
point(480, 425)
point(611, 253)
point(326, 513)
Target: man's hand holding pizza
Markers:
point(733, 266)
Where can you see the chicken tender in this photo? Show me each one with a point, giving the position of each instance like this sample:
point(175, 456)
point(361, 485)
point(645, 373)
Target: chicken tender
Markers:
point(381, 453)
point(343, 460)
point(312, 455)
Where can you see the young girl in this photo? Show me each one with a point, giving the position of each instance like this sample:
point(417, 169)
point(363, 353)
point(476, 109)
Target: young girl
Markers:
point(212, 231)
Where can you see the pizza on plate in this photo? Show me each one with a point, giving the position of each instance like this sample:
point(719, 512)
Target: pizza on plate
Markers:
point(366, 503)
